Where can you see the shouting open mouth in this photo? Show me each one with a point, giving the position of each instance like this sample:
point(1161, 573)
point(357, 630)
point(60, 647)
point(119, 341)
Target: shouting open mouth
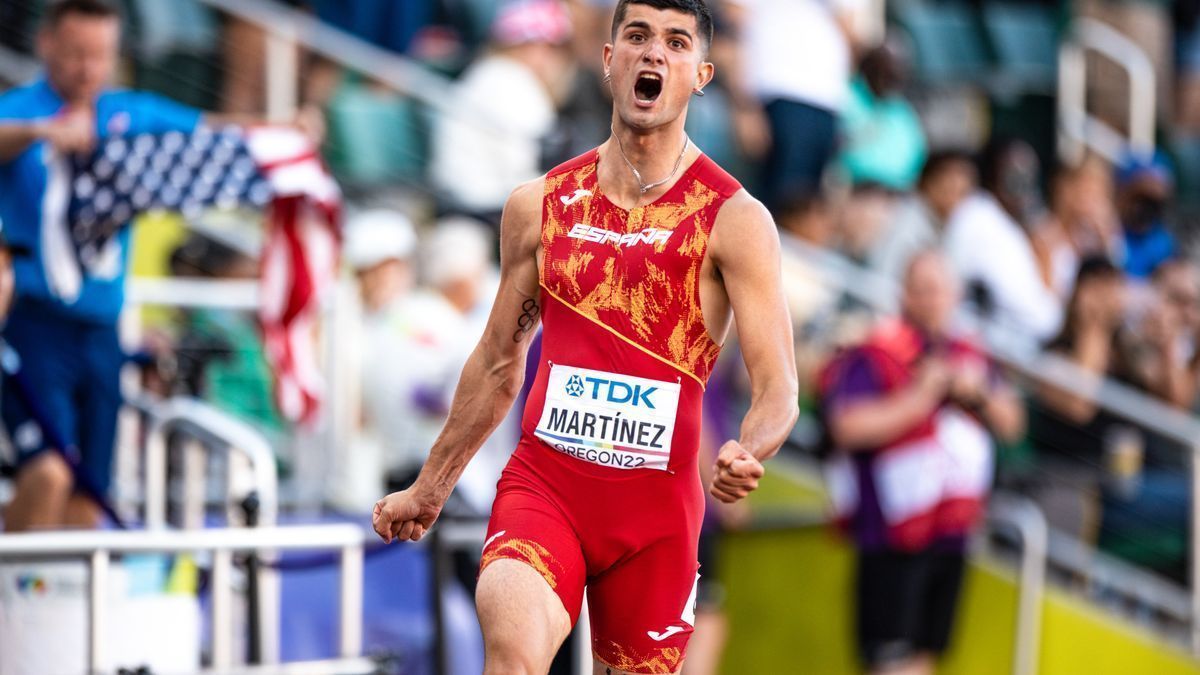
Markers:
point(647, 88)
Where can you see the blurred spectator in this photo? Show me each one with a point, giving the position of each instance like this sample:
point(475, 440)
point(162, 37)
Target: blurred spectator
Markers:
point(503, 109)
point(1145, 187)
point(908, 414)
point(9, 365)
point(919, 220)
point(68, 345)
point(1082, 223)
point(1147, 491)
point(414, 343)
point(404, 347)
point(866, 214)
point(64, 323)
point(882, 137)
point(1160, 354)
point(458, 266)
point(793, 67)
point(989, 248)
point(1067, 430)
point(806, 225)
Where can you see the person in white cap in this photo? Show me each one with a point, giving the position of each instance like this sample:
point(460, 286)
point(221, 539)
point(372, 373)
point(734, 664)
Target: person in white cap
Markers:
point(379, 248)
point(504, 109)
point(407, 349)
point(414, 342)
point(459, 268)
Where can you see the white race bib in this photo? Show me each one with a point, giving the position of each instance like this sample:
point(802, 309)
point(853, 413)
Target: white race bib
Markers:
point(609, 419)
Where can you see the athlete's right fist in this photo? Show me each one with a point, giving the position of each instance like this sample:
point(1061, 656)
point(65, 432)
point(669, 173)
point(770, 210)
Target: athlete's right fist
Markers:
point(735, 474)
point(405, 515)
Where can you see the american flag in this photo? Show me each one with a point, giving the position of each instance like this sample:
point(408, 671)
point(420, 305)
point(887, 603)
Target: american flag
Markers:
point(272, 168)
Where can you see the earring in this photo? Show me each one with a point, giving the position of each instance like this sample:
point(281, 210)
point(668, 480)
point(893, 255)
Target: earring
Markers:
point(698, 92)
point(607, 77)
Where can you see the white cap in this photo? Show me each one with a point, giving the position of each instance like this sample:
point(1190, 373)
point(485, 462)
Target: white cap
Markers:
point(459, 248)
point(378, 235)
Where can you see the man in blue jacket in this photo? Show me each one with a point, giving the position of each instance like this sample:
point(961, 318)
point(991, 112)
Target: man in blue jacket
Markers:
point(64, 322)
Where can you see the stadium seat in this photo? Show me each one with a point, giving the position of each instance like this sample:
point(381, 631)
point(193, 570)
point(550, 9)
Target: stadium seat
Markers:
point(1024, 39)
point(163, 27)
point(177, 46)
point(948, 42)
point(375, 137)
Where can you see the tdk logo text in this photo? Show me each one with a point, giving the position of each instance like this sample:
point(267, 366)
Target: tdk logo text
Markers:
point(613, 391)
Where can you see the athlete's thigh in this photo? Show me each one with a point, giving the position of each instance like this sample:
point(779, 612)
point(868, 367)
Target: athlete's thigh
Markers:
point(532, 575)
point(522, 619)
point(643, 609)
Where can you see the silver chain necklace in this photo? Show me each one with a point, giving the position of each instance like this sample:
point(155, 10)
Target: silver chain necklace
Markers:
point(637, 175)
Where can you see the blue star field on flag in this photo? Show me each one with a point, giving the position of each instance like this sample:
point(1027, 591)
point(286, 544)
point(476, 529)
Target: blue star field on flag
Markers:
point(188, 173)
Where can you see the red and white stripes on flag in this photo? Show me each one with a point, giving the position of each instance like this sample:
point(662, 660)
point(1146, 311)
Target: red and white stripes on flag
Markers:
point(299, 262)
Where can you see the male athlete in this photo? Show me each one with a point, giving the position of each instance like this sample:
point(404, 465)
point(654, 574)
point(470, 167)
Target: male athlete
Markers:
point(635, 256)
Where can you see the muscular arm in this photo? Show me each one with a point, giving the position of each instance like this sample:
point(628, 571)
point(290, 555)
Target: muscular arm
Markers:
point(491, 378)
point(745, 249)
point(495, 371)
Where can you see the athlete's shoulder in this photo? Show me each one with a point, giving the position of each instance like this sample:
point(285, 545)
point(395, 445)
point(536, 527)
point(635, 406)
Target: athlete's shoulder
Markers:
point(574, 163)
point(525, 200)
point(741, 207)
point(711, 174)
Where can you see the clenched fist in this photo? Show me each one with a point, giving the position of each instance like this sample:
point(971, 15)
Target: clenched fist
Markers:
point(72, 131)
point(405, 515)
point(735, 474)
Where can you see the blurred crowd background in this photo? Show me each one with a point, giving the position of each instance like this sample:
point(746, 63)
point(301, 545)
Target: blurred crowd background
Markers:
point(872, 131)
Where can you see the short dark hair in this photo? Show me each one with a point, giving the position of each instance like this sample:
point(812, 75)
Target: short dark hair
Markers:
point(697, 8)
point(940, 160)
point(93, 9)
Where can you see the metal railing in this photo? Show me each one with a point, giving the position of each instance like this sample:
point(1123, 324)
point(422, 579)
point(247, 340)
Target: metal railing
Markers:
point(1023, 516)
point(1078, 129)
point(208, 429)
point(1006, 512)
point(185, 293)
point(1120, 400)
point(217, 431)
point(99, 547)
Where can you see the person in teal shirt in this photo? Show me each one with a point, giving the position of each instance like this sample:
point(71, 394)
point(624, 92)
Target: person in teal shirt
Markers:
point(882, 138)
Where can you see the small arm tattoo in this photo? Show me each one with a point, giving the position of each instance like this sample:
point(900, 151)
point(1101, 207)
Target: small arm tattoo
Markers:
point(528, 319)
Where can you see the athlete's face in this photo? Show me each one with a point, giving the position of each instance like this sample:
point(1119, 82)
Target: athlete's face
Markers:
point(656, 61)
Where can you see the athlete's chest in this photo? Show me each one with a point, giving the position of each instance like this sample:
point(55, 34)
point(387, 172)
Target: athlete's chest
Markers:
point(583, 229)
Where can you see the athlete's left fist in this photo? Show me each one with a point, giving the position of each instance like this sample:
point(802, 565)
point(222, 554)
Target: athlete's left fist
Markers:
point(735, 474)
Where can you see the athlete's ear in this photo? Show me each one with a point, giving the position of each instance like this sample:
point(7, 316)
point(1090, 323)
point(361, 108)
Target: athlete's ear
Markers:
point(606, 58)
point(704, 75)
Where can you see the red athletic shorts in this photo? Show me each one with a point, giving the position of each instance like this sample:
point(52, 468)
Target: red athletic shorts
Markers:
point(628, 536)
